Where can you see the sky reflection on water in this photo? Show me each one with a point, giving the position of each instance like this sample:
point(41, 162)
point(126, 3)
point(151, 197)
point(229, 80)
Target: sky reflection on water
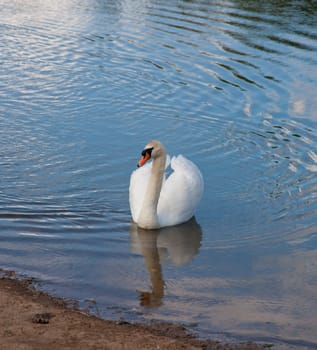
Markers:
point(84, 85)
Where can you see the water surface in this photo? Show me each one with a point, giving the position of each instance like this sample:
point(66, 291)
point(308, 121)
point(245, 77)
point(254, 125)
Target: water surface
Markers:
point(84, 85)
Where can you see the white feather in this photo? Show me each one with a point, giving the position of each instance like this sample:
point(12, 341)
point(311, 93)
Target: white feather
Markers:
point(180, 194)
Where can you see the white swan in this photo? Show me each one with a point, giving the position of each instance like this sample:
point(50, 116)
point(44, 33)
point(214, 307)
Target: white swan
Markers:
point(157, 201)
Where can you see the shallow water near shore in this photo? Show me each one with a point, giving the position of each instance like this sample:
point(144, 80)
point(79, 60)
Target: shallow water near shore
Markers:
point(231, 85)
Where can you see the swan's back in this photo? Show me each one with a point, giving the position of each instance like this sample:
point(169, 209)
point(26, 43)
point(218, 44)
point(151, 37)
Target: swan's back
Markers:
point(181, 193)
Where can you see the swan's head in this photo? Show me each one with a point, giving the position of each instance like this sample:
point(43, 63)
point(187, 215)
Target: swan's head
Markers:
point(153, 149)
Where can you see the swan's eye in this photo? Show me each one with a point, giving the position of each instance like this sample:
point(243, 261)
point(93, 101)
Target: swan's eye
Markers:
point(147, 151)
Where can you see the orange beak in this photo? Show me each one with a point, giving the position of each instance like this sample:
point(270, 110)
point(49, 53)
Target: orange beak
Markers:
point(144, 159)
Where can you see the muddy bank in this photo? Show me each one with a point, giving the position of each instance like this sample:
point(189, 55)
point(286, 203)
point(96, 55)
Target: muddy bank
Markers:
point(31, 320)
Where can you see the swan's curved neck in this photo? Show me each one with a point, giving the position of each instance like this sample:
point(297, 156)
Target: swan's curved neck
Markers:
point(148, 216)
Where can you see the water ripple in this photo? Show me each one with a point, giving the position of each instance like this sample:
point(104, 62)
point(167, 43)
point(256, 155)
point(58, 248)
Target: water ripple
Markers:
point(85, 84)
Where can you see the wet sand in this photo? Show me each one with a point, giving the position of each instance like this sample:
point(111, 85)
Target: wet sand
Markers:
point(31, 319)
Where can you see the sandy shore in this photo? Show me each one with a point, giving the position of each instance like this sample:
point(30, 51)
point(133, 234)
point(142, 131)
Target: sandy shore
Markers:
point(31, 320)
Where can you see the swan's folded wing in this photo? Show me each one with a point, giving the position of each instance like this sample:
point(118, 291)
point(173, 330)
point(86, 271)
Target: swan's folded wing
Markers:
point(181, 192)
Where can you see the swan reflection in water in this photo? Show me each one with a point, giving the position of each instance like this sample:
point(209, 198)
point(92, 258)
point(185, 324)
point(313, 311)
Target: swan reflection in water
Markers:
point(178, 244)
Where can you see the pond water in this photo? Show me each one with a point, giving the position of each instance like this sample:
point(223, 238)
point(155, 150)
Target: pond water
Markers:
point(229, 84)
